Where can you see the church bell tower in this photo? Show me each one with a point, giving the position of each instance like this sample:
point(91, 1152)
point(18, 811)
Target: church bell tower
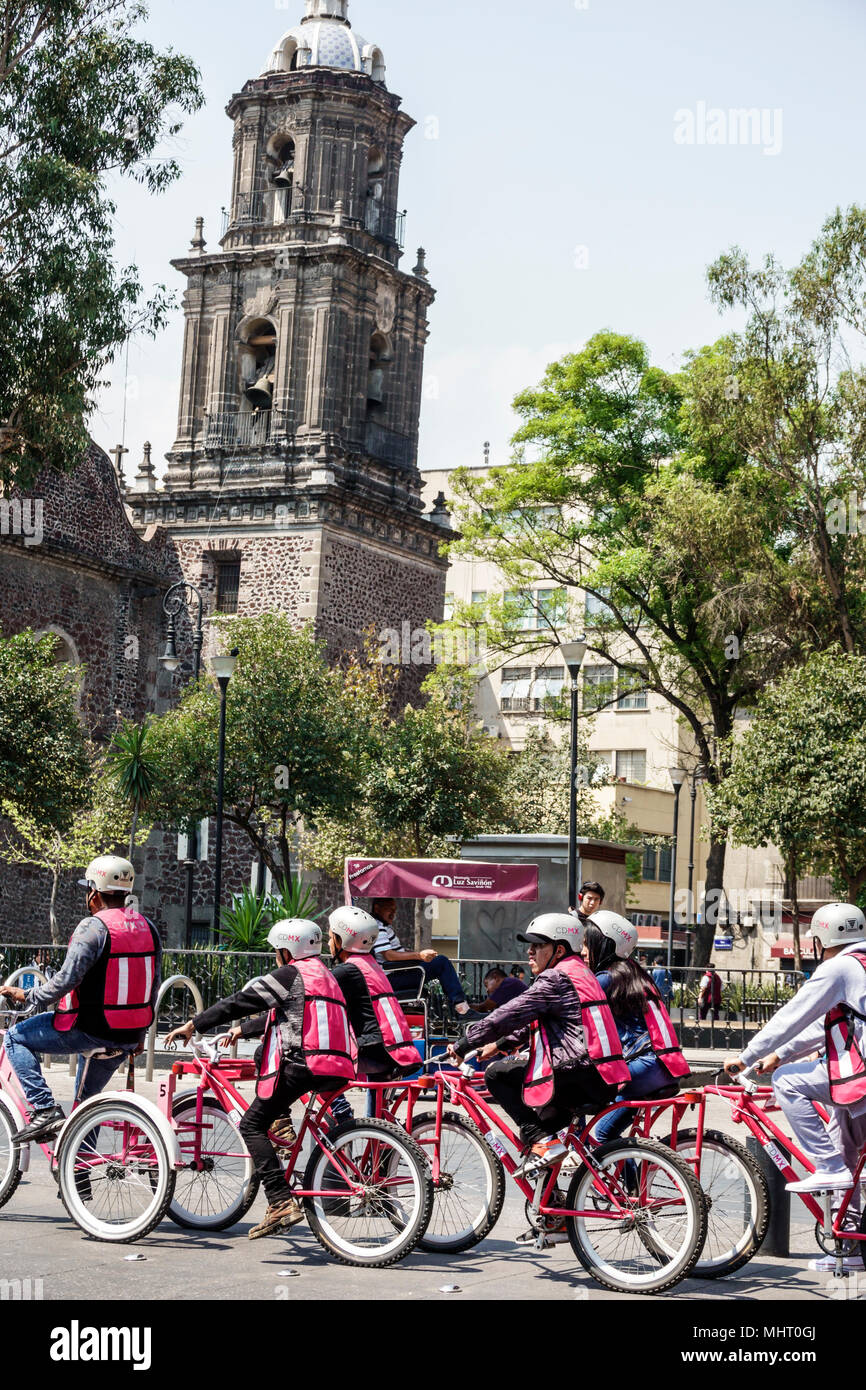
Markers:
point(296, 456)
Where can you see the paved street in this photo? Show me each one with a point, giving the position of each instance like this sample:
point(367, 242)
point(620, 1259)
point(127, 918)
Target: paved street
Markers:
point(38, 1242)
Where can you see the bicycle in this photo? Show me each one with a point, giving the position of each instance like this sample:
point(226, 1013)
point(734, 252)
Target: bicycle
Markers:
point(112, 1158)
point(366, 1188)
point(633, 1211)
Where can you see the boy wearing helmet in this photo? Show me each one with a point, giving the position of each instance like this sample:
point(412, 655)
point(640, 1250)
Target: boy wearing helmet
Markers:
point(308, 1047)
point(829, 1013)
point(105, 994)
point(574, 1059)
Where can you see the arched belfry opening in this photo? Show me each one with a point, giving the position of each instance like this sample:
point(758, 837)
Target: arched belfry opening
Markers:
point(281, 175)
point(258, 357)
point(381, 357)
point(374, 213)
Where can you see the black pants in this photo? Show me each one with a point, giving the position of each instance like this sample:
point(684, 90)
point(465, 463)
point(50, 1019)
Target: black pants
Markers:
point(294, 1081)
point(571, 1091)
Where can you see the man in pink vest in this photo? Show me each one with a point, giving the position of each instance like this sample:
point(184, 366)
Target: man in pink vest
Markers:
point(308, 1047)
point(104, 993)
point(828, 1014)
point(575, 1057)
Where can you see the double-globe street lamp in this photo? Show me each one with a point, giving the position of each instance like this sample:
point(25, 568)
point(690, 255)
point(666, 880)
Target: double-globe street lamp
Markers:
point(573, 653)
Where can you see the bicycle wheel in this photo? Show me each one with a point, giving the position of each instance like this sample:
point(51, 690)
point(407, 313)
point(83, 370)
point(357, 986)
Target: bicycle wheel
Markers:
point(468, 1198)
point(651, 1237)
point(10, 1159)
point(221, 1192)
point(116, 1174)
point(738, 1201)
point(378, 1216)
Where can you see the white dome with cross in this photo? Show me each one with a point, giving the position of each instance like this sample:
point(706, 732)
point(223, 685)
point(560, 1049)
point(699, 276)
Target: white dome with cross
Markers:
point(325, 39)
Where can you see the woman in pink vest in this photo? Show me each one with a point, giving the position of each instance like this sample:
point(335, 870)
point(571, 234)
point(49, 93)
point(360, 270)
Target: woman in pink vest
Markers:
point(574, 1058)
point(308, 1046)
point(104, 993)
point(827, 1015)
point(649, 1044)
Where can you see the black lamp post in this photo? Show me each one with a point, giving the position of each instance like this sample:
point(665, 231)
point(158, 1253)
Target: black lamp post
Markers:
point(677, 776)
point(172, 605)
point(223, 668)
point(697, 776)
point(573, 654)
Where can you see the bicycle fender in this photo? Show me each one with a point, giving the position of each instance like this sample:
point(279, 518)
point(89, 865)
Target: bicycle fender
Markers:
point(17, 1123)
point(148, 1107)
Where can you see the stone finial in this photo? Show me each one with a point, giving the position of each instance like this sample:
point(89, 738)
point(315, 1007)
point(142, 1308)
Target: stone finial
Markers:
point(421, 268)
point(198, 242)
point(487, 453)
point(440, 513)
point(145, 478)
point(337, 238)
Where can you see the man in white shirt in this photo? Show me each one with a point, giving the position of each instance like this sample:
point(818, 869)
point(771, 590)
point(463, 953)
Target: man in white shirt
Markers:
point(800, 1029)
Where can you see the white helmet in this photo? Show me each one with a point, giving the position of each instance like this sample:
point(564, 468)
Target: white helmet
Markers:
point(838, 924)
point(108, 874)
point(555, 927)
point(297, 936)
point(355, 928)
point(618, 930)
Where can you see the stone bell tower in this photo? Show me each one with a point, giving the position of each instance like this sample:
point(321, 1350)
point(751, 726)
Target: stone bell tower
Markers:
point(293, 482)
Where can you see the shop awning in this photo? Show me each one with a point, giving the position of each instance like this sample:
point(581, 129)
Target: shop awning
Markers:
point(783, 949)
point(441, 878)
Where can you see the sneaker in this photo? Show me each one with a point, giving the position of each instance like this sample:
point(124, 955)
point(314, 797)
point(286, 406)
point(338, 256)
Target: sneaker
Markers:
point(541, 1155)
point(280, 1217)
point(827, 1263)
point(820, 1182)
point(283, 1130)
point(44, 1124)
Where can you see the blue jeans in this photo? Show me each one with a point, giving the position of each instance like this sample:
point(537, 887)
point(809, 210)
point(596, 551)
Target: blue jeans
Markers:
point(32, 1036)
point(647, 1075)
point(440, 968)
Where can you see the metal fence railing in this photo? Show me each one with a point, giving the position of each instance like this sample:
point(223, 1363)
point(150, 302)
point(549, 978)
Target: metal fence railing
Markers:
point(746, 999)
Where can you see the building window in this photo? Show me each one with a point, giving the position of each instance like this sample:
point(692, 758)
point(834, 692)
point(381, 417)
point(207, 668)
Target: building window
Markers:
point(548, 688)
point(521, 616)
point(552, 607)
point(631, 765)
point(632, 694)
point(665, 864)
point(449, 607)
point(598, 686)
point(514, 692)
point(228, 585)
point(479, 597)
point(596, 611)
point(649, 868)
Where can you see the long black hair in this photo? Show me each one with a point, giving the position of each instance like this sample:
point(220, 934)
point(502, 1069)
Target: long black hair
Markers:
point(626, 992)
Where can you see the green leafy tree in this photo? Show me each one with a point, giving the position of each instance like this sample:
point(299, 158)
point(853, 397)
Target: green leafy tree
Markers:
point(82, 100)
point(99, 827)
point(44, 763)
point(296, 734)
point(797, 775)
point(681, 553)
point(133, 770)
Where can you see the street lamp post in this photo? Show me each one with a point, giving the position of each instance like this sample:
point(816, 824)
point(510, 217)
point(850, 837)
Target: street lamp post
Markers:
point(573, 653)
point(677, 776)
point(697, 776)
point(172, 605)
point(223, 669)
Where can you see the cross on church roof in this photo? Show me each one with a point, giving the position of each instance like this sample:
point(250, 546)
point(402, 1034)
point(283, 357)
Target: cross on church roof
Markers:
point(117, 452)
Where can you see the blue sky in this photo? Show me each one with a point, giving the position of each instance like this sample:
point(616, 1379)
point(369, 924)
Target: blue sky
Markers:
point(544, 178)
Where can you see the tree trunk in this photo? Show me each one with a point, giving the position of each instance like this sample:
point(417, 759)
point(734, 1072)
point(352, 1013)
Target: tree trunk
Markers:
point(132, 831)
point(706, 931)
point(795, 915)
point(423, 926)
point(56, 935)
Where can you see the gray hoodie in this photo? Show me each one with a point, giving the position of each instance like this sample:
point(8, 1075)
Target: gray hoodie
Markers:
point(798, 1028)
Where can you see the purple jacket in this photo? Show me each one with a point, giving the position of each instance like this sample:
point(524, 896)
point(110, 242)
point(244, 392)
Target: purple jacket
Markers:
point(552, 1000)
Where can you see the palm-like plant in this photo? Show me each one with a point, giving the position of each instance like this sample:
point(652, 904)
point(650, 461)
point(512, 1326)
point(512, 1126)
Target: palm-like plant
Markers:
point(244, 925)
point(133, 768)
point(291, 898)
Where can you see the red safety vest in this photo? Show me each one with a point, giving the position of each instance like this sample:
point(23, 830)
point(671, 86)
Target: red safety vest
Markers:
point(114, 997)
point(395, 1030)
point(845, 1065)
point(326, 1037)
point(599, 1030)
point(662, 1035)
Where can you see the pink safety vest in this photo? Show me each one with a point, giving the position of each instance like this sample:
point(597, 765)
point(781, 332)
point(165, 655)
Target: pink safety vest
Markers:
point(115, 995)
point(326, 1037)
point(665, 1042)
point(846, 1067)
point(599, 1029)
point(395, 1030)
